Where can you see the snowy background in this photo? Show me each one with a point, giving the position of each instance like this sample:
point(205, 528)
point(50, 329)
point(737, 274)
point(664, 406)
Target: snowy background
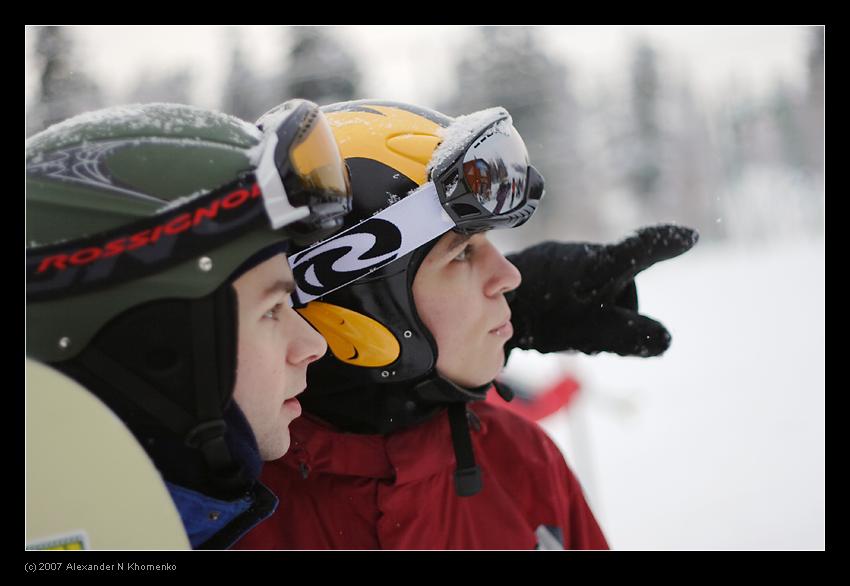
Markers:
point(719, 444)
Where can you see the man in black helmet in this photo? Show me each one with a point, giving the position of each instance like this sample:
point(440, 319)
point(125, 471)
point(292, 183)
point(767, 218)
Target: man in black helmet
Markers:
point(397, 449)
point(157, 278)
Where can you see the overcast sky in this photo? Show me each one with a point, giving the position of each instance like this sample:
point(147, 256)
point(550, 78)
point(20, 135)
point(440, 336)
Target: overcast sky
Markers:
point(415, 63)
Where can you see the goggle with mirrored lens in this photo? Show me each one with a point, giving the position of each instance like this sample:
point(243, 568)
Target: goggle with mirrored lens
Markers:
point(482, 174)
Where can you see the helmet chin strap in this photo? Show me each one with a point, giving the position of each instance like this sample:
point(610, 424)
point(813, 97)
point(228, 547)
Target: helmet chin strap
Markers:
point(441, 390)
point(208, 345)
point(205, 428)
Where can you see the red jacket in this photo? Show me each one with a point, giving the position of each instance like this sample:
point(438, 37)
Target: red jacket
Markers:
point(396, 491)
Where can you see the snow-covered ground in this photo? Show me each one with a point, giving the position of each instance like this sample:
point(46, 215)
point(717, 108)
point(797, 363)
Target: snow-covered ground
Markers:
point(718, 444)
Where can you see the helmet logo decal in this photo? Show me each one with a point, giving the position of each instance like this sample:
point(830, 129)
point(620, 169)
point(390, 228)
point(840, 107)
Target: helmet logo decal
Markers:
point(353, 338)
point(347, 257)
point(85, 164)
point(393, 232)
point(146, 246)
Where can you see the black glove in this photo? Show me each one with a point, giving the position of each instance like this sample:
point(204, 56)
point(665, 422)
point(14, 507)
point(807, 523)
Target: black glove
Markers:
point(582, 296)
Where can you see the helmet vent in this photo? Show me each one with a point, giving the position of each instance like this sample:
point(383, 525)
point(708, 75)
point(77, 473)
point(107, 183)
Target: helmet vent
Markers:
point(464, 209)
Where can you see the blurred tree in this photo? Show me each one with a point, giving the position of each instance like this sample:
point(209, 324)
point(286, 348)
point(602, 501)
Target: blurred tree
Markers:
point(815, 121)
point(163, 86)
point(787, 107)
point(320, 68)
point(65, 90)
point(692, 169)
point(816, 60)
point(507, 66)
point(243, 94)
point(773, 154)
point(646, 163)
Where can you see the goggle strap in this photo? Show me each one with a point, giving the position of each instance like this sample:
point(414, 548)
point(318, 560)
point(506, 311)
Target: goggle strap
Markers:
point(413, 221)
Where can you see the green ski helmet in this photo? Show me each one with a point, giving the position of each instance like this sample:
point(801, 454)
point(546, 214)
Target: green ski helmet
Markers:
point(130, 204)
point(138, 218)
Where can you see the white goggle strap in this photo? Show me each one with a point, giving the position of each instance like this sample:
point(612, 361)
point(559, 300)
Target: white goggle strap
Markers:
point(280, 212)
point(418, 218)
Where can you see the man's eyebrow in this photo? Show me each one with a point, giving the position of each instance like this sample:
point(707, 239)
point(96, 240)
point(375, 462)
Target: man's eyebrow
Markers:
point(285, 286)
point(456, 240)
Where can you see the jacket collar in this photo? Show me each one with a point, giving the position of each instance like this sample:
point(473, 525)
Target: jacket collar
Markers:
point(398, 456)
point(211, 523)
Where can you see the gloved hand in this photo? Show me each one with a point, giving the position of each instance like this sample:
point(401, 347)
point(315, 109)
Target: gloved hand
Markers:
point(582, 296)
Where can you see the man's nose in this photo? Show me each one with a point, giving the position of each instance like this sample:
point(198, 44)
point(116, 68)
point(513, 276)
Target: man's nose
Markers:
point(310, 345)
point(506, 277)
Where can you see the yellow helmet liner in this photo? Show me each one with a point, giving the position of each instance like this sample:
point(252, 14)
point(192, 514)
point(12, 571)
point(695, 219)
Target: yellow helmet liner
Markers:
point(352, 337)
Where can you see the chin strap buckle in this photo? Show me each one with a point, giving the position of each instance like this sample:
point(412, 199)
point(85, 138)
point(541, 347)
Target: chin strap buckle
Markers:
point(467, 473)
point(468, 481)
point(204, 432)
point(208, 437)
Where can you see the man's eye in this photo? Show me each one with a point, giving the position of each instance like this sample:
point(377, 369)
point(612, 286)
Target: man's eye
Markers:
point(272, 313)
point(464, 254)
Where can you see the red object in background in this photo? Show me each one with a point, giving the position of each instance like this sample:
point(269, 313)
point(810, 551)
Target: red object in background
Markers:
point(556, 397)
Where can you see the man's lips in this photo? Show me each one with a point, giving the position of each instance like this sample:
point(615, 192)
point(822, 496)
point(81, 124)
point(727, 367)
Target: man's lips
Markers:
point(504, 329)
point(293, 405)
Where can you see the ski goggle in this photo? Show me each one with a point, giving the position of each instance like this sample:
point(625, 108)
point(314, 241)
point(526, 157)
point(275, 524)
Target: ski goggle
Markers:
point(299, 186)
point(301, 172)
point(480, 179)
point(482, 174)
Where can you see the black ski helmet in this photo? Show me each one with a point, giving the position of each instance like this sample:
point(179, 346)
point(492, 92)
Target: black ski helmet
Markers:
point(374, 332)
point(387, 147)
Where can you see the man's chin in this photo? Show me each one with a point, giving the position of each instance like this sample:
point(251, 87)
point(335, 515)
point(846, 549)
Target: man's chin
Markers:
point(486, 377)
point(276, 451)
point(480, 374)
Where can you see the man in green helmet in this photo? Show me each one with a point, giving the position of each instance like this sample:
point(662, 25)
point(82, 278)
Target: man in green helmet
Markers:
point(157, 279)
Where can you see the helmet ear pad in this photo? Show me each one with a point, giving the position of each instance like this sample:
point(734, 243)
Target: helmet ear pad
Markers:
point(161, 344)
point(386, 297)
point(362, 399)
